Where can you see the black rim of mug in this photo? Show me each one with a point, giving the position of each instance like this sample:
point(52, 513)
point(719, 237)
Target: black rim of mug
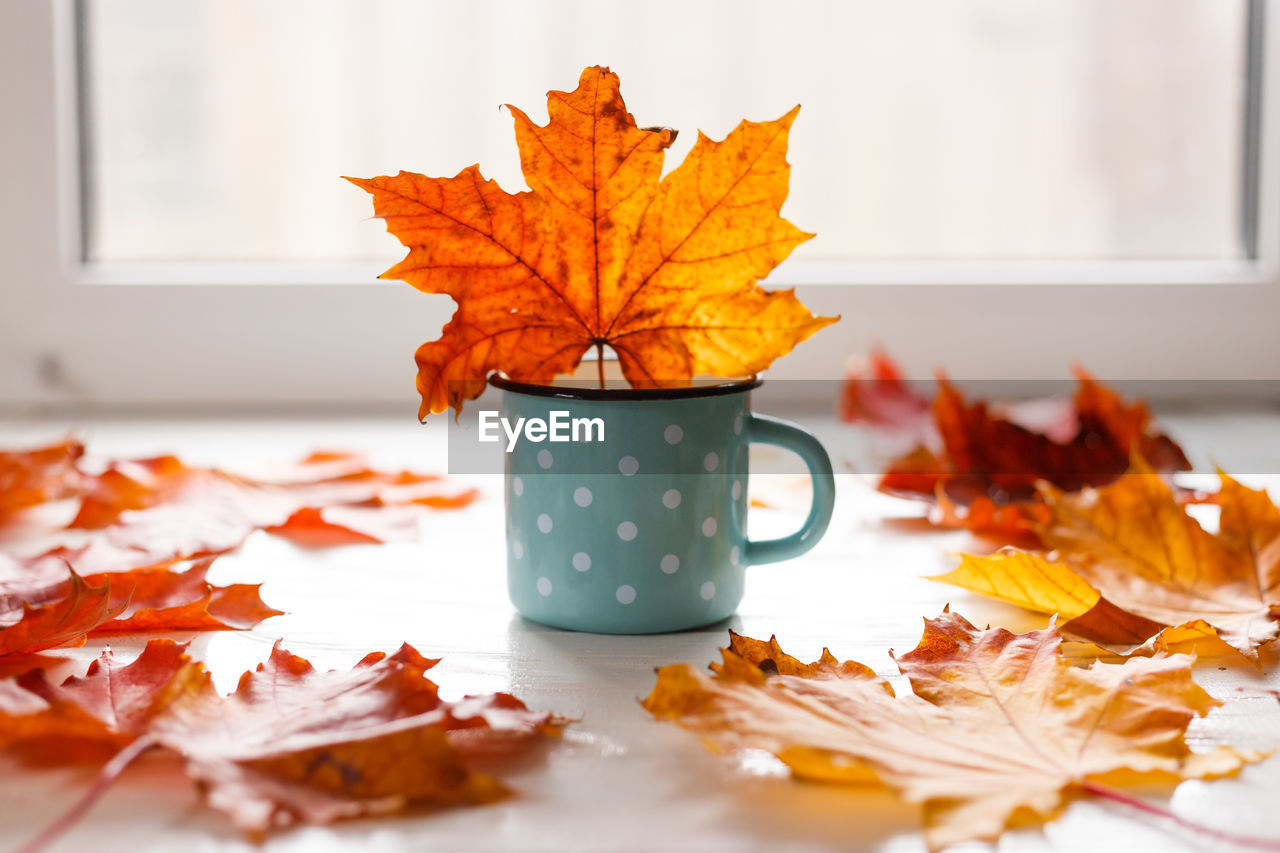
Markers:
point(738, 386)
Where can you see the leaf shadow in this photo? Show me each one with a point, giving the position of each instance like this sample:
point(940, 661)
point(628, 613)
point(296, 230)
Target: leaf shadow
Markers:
point(779, 809)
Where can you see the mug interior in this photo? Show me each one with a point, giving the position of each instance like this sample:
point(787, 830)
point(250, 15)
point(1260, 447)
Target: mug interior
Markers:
point(581, 388)
point(584, 383)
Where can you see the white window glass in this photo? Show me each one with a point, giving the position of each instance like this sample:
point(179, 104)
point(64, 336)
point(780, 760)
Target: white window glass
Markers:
point(1089, 129)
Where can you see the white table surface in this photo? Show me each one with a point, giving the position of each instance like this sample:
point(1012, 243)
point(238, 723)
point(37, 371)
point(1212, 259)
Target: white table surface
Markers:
point(618, 781)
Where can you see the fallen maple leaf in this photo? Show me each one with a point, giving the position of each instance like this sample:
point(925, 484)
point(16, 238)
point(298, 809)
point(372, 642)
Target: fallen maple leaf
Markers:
point(876, 394)
point(162, 599)
point(148, 520)
point(999, 723)
point(289, 745)
point(164, 509)
point(40, 610)
point(981, 462)
point(1132, 568)
point(995, 458)
point(308, 526)
point(601, 251)
point(32, 477)
point(344, 525)
point(45, 602)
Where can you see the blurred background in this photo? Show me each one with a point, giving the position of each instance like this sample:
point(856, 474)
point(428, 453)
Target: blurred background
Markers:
point(216, 129)
point(999, 187)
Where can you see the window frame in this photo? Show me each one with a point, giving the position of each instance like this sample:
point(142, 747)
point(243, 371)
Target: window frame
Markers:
point(271, 335)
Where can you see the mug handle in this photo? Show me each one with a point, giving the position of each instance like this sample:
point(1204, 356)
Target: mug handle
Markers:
point(762, 429)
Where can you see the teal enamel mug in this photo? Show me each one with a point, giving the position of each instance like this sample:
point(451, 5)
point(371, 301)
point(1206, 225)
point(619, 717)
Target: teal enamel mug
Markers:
point(626, 509)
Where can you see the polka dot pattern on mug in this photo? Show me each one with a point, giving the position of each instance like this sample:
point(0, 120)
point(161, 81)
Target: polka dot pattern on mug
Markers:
point(575, 553)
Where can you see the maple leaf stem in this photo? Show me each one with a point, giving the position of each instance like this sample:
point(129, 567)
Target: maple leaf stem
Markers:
point(600, 363)
point(106, 776)
point(1159, 811)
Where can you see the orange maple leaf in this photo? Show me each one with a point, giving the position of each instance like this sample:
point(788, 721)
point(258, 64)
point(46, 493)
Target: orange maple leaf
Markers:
point(32, 477)
point(875, 393)
point(601, 251)
point(981, 467)
point(46, 603)
point(152, 518)
point(161, 598)
point(289, 745)
point(998, 723)
point(1132, 570)
point(310, 527)
point(38, 612)
point(164, 509)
